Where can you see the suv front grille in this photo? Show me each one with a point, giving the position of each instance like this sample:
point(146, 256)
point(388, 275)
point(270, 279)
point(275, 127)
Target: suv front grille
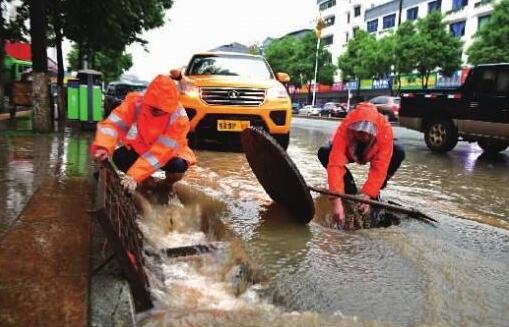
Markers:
point(225, 96)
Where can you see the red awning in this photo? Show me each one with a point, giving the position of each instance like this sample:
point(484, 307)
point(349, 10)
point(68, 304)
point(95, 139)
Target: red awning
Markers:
point(18, 50)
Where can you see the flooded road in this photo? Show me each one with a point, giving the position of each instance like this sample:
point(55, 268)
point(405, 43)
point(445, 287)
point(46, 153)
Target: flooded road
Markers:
point(411, 274)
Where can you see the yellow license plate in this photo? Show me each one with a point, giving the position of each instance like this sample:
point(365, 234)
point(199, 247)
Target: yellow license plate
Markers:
point(232, 125)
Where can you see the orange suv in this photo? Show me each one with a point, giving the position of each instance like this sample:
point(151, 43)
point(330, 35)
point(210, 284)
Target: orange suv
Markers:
point(224, 93)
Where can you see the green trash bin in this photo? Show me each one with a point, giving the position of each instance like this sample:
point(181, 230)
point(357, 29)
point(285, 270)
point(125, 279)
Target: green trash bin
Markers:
point(84, 97)
point(90, 96)
point(73, 106)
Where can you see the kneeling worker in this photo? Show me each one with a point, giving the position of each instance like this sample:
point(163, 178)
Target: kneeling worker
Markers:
point(158, 139)
point(364, 136)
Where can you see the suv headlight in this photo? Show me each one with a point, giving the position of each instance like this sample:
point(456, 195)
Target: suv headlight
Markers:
point(277, 92)
point(189, 89)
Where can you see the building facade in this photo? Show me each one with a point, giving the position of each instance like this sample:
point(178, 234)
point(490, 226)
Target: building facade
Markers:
point(381, 17)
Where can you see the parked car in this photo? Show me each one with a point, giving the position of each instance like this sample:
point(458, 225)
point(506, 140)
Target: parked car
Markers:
point(116, 93)
point(477, 111)
point(296, 106)
point(310, 110)
point(387, 105)
point(333, 109)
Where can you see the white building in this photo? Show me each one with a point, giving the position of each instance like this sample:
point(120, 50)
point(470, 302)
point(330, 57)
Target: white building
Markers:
point(342, 17)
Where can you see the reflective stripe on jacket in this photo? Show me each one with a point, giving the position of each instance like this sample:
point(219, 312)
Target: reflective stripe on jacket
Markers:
point(155, 139)
point(378, 156)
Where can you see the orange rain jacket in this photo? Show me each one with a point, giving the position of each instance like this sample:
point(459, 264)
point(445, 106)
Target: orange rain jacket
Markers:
point(379, 155)
point(157, 139)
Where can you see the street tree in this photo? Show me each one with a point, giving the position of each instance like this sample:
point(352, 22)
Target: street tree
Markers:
point(41, 121)
point(383, 58)
point(439, 49)
point(111, 63)
point(281, 56)
point(406, 49)
point(111, 25)
point(357, 61)
point(491, 42)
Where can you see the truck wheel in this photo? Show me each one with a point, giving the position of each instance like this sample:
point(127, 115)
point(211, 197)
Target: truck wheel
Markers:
point(282, 139)
point(441, 136)
point(493, 146)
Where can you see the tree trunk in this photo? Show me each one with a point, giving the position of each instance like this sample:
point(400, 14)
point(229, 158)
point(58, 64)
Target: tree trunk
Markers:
point(80, 56)
point(60, 75)
point(41, 121)
point(400, 11)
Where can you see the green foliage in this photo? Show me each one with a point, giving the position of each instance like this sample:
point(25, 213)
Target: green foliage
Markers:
point(357, 61)
point(15, 28)
point(297, 56)
point(438, 47)
point(406, 48)
point(110, 62)
point(281, 56)
point(491, 42)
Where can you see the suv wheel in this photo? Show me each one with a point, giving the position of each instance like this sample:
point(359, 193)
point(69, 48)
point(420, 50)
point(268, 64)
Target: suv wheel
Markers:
point(441, 135)
point(493, 146)
point(282, 139)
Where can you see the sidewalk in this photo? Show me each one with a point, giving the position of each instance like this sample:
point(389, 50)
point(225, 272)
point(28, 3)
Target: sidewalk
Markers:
point(45, 259)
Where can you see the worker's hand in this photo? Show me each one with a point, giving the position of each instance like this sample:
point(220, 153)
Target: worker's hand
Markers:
point(363, 207)
point(100, 154)
point(338, 213)
point(128, 183)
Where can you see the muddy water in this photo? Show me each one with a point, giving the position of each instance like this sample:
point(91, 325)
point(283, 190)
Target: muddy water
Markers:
point(411, 274)
point(309, 275)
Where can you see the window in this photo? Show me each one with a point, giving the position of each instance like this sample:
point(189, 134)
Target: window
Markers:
point(458, 29)
point(483, 20)
point(357, 11)
point(487, 81)
point(434, 6)
point(354, 30)
point(380, 100)
point(327, 4)
point(389, 21)
point(503, 83)
point(458, 4)
point(328, 40)
point(348, 18)
point(329, 21)
point(412, 13)
point(347, 37)
point(372, 26)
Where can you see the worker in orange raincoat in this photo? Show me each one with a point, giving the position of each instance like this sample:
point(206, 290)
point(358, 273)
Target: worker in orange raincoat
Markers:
point(152, 129)
point(364, 136)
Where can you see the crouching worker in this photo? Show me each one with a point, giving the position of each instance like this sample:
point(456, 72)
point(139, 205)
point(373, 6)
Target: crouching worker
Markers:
point(157, 139)
point(364, 136)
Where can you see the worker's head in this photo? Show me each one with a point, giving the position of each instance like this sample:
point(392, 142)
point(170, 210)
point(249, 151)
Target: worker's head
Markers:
point(363, 131)
point(161, 96)
point(363, 134)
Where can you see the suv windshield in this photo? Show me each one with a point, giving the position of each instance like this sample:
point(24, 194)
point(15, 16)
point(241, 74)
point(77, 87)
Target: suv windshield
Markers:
point(122, 90)
point(229, 65)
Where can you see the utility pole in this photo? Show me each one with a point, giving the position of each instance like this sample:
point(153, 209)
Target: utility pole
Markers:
point(41, 117)
point(400, 11)
point(320, 24)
